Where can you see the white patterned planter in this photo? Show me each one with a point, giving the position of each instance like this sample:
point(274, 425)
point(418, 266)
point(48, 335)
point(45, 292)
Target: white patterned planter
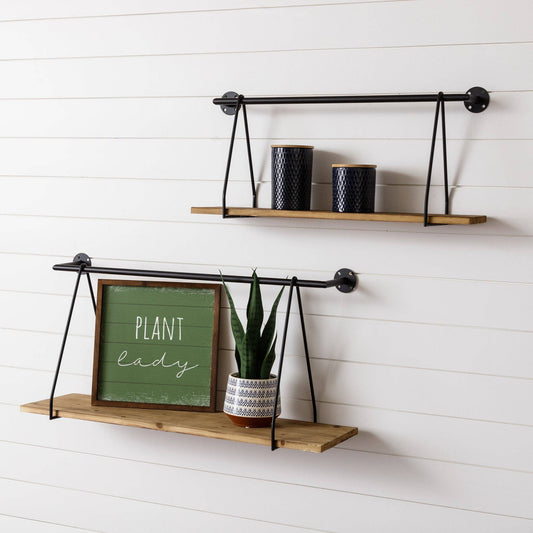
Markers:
point(250, 402)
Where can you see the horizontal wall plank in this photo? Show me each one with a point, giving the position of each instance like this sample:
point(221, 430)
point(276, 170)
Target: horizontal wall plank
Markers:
point(508, 210)
point(440, 438)
point(296, 72)
point(400, 162)
point(137, 517)
point(81, 509)
point(32, 272)
point(477, 397)
point(484, 489)
point(20, 385)
point(378, 298)
point(413, 390)
point(24, 525)
point(21, 351)
point(32, 9)
point(327, 26)
point(366, 249)
point(374, 342)
point(507, 118)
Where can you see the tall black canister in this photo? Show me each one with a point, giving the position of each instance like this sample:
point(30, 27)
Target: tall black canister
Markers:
point(292, 167)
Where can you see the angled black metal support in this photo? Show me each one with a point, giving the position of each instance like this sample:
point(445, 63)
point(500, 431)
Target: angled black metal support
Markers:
point(476, 100)
point(431, 154)
point(93, 299)
point(306, 349)
point(445, 160)
point(235, 111)
point(294, 282)
point(81, 261)
point(250, 165)
point(228, 164)
point(438, 110)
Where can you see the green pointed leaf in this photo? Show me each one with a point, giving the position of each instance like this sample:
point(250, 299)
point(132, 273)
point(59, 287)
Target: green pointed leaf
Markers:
point(251, 364)
point(236, 328)
point(249, 299)
point(270, 327)
point(268, 361)
point(238, 359)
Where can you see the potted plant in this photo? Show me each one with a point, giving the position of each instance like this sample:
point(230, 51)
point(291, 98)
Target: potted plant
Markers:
point(251, 391)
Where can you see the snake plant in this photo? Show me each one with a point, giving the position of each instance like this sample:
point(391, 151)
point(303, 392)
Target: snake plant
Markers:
point(254, 350)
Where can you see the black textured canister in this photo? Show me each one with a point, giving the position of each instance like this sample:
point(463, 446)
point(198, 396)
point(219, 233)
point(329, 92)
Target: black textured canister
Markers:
point(292, 167)
point(354, 188)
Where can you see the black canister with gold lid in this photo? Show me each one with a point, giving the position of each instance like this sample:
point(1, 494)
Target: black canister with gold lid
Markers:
point(353, 188)
point(292, 167)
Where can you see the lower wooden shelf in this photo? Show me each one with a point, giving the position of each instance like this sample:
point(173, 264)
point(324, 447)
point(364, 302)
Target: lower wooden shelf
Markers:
point(293, 434)
point(376, 217)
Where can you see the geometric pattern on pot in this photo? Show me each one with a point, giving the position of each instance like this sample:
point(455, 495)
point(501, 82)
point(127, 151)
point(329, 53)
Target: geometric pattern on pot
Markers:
point(251, 397)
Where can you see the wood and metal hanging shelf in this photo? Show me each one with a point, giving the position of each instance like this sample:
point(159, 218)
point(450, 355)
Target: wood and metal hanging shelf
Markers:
point(433, 220)
point(475, 100)
point(295, 434)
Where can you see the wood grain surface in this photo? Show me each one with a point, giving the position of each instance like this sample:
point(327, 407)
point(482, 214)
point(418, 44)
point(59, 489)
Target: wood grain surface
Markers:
point(294, 434)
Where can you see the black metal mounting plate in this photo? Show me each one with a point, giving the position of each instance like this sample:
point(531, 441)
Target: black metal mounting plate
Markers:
point(229, 109)
point(347, 286)
point(479, 100)
point(82, 258)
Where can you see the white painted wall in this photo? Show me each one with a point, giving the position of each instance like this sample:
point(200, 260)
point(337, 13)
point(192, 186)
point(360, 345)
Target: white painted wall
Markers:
point(108, 136)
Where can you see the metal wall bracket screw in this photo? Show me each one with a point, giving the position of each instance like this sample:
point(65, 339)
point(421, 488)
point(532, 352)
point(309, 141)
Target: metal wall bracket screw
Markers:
point(229, 109)
point(350, 280)
point(479, 100)
point(82, 258)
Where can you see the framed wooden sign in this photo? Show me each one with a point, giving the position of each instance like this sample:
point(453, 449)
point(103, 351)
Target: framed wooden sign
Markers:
point(156, 345)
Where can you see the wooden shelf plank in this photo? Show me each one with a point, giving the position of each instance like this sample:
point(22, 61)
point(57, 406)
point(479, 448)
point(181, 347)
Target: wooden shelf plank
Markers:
point(293, 434)
point(376, 217)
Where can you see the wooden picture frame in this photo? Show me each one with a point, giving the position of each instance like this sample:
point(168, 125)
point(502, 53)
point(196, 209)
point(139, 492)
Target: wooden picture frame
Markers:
point(144, 332)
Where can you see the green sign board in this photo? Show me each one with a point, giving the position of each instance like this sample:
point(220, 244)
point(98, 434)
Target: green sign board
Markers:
point(156, 345)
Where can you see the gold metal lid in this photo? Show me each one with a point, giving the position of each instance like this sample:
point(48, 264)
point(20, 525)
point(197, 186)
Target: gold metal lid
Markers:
point(353, 165)
point(290, 146)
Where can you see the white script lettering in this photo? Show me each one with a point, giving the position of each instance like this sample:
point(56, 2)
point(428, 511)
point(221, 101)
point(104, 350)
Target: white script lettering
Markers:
point(182, 368)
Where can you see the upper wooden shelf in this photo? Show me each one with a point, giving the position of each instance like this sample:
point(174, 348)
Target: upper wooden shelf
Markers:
point(293, 434)
point(376, 217)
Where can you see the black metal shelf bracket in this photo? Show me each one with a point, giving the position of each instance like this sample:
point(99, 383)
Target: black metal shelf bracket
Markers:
point(79, 264)
point(345, 280)
point(234, 110)
point(475, 100)
point(438, 110)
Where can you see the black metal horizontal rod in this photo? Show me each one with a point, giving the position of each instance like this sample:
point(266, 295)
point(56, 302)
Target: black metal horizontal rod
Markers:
point(343, 99)
point(197, 276)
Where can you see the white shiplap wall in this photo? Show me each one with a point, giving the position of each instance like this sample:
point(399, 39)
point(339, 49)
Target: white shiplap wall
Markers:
point(108, 136)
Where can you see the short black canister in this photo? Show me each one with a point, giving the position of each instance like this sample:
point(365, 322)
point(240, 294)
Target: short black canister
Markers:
point(292, 167)
point(354, 188)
